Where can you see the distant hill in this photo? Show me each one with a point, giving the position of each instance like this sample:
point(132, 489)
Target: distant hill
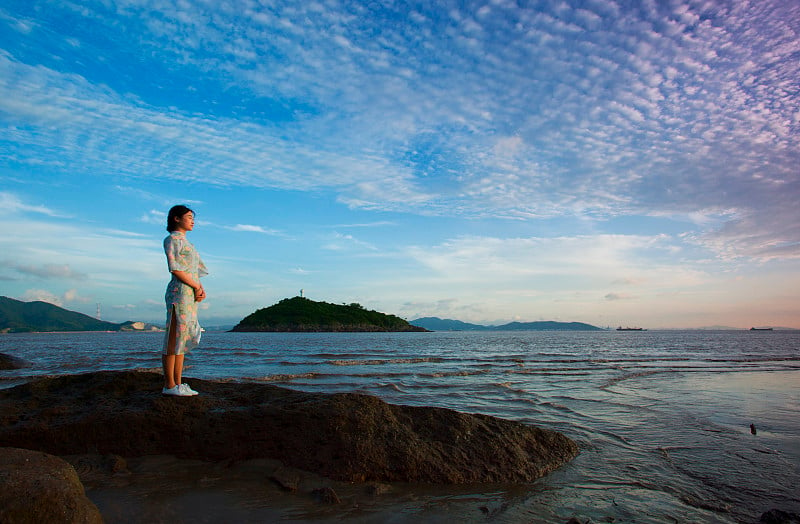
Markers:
point(139, 326)
point(442, 324)
point(547, 325)
point(304, 315)
point(438, 324)
point(17, 317)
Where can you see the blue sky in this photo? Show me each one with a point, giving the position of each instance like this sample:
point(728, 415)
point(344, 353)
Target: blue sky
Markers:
point(616, 163)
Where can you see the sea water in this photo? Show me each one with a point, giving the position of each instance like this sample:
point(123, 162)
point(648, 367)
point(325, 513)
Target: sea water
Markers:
point(662, 418)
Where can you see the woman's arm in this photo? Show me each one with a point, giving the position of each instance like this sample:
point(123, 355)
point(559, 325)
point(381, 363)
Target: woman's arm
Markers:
point(186, 278)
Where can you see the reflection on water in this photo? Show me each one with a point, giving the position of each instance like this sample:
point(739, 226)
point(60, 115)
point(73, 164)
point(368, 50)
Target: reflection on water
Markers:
point(164, 489)
point(662, 418)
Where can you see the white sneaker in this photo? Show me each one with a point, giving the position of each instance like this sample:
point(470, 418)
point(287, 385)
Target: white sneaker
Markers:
point(174, 391)
point(186, 390)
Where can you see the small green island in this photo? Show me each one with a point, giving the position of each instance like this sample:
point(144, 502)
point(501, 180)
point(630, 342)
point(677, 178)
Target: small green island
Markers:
point(301, 314)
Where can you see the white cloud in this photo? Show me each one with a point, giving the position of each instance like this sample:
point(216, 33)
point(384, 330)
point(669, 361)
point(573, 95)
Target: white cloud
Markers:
point(344, 242)
point(686, 111)
point(378, 223)
point(42, 295)
point(11, 204)
point(247, 228)
point(586, 264)
point(154, 216)
point(643, 102)
point(762, 236)
point(618, 296)
point(72, 295)
point(102, 132)
point(45, 271)
point(92, 256)
point(126, 307)
point(141, 194)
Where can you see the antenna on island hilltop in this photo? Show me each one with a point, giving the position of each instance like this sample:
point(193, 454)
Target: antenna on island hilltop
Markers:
point(98, 311)
point(301, 293)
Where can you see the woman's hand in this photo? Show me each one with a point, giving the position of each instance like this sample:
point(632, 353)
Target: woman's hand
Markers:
point(197, 287)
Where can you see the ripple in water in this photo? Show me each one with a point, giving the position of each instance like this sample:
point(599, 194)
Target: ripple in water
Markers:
point(662, 418)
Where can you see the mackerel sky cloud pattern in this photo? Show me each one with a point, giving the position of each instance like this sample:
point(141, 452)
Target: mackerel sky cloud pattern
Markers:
point(674, 121)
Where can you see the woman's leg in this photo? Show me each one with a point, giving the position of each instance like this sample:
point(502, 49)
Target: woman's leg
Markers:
point(168, 360)
point(178, 370)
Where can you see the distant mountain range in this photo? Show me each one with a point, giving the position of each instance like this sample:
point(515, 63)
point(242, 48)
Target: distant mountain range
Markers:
point(293, 314)
point(20, 317)
point(439, 324)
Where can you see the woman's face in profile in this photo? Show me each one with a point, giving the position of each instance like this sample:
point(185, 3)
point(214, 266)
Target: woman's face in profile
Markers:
point(185, 223)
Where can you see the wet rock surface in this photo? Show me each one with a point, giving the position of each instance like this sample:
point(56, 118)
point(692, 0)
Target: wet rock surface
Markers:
point(777, 516)
point(348, 437)
point(36, 487)
point(11, 362)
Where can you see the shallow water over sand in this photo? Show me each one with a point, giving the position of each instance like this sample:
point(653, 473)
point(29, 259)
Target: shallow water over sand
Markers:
point(662, 418)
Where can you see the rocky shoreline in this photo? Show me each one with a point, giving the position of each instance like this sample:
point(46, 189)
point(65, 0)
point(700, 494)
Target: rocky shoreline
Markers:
point(337, 450)
point(11, 362)
point(100, 422)
point(37, 487)
point(348, 437)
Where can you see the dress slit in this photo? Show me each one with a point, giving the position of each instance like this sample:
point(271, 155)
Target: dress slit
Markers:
point(172, 336)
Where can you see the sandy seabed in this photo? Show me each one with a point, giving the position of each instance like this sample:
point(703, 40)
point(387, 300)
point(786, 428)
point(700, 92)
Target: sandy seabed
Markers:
point(165, 489)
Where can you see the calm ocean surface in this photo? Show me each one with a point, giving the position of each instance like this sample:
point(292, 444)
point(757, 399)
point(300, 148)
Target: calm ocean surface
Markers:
point(662, 417)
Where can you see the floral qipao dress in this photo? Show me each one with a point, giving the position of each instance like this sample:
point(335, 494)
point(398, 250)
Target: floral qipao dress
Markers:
point(182, 256)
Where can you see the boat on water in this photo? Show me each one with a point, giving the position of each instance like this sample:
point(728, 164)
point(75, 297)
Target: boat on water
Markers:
point(760, 329)
point(630, 329)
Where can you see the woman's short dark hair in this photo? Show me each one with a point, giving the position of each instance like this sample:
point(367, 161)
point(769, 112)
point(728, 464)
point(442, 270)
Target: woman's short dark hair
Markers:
point(175, 213)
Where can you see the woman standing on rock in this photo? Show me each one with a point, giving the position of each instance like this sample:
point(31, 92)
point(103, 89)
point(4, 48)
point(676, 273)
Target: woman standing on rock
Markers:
point(184, 292)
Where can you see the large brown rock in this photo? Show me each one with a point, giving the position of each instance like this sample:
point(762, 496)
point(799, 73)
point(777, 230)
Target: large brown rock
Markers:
point(36, 487)
point(11, 362)
point(342, 436)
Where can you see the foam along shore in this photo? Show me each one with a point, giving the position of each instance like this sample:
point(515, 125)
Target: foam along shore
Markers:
point(347, 437)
